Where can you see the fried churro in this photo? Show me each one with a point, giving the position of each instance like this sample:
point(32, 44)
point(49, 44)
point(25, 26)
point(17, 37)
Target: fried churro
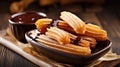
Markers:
point(76, 23)
point(70, 48)
point(42, 24)
point(96, 32)
point(61, 36)
point(70, 34)
point(91, 30)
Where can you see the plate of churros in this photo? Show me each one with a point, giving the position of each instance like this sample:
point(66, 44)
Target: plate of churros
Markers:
point(69, 40)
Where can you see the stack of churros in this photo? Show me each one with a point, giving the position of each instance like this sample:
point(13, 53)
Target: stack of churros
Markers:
point(70, 34)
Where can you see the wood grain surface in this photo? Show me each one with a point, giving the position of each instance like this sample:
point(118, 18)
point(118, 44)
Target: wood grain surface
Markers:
point(106, 16)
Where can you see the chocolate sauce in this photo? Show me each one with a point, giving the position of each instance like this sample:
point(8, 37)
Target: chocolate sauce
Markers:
point(43, 29)
point(55, 23)
point(27, 17)
point(35, 37)
point(52, 24)
point(77, 40)
point(38, 34)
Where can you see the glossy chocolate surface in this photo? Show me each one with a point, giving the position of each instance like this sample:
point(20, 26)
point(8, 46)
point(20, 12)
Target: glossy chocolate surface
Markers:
point(27, 18)
point(53, 23)
point(20, 23)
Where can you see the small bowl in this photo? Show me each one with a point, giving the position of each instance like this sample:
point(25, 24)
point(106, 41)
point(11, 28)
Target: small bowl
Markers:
point(20, 23)
point(101, 49)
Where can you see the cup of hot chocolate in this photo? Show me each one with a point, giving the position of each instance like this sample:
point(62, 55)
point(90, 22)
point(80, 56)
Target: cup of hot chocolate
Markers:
point(20, 23)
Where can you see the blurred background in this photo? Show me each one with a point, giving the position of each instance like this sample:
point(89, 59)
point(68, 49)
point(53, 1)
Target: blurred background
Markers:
point(105, 13)
point(53, 7)
point(101, 12)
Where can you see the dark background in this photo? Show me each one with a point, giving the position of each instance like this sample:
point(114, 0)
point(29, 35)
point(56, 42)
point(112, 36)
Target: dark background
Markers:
point(107, 13)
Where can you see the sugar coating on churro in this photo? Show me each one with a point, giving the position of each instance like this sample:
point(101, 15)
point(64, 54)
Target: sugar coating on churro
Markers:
point(76, 23)
point(61, 36)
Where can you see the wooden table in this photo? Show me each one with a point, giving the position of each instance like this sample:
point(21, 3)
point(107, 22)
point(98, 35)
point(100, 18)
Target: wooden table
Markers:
point(108, 17)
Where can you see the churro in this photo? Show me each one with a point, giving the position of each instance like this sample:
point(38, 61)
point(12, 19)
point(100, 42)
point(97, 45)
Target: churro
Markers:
point(61, 36)
point(70, 34)
point(76, 23)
